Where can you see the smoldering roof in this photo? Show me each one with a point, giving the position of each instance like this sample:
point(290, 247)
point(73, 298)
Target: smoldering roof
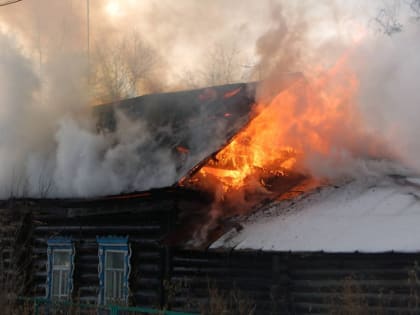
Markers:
point(191, 124)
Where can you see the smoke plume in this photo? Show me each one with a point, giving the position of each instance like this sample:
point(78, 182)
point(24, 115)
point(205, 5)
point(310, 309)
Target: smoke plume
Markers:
point(374, 120)
point(49, 145)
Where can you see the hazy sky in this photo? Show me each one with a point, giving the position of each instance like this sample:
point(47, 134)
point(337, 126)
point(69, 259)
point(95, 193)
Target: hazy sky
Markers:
point(182, 31)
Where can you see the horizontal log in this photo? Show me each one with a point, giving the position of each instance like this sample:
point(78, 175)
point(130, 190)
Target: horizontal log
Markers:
point(110, 228)
point(316, 308)
point(385, 299)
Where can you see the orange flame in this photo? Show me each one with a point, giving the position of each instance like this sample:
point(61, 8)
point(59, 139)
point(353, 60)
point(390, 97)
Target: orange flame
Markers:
point(316, 116)
point(232, 93)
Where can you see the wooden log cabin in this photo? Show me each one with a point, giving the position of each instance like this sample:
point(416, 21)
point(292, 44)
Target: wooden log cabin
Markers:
point(61, 245)
point(289, 257)
point(335, 248)
point(112, 249)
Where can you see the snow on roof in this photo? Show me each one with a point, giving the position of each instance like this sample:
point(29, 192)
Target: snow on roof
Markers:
point(369, 214)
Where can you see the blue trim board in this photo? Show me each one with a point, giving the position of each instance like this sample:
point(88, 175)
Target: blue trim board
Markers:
point(60, 240)
point(112, 240)
point(113, 243)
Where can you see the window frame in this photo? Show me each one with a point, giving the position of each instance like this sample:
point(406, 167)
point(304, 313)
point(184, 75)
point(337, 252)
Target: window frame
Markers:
point(113, 244)
point(106, 269)
point(59, 244)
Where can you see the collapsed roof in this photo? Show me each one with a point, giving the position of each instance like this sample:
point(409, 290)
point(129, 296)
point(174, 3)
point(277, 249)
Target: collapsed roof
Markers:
point(190, 124)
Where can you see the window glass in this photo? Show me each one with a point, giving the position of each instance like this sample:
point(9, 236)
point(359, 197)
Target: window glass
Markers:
point(114, 276)
point(109, 284)
point(114, 269)
point(64, 277)
point(60, 274)
point(61, 258)
point(56, 283)
point(114, 260)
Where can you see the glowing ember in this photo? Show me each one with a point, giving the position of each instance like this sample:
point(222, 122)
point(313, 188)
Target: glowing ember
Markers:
point(182, 149)
point(232, 93)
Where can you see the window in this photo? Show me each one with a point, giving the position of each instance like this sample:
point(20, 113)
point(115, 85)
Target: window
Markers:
point(60, 268)
point(114, 275)
point(114, 269)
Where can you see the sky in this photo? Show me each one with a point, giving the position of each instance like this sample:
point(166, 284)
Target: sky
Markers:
point(182, 32)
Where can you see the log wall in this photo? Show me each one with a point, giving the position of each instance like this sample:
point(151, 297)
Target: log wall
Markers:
point(297, 283)
point(180, 279)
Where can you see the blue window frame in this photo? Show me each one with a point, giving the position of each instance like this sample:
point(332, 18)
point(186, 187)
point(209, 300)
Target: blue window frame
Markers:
point(60, 268)
point(114, 269)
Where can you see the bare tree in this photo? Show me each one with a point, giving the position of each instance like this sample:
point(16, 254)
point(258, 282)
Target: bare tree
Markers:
point(45, 183)
point(223, 64)
point(119, 67)
point(18, 185)
point(415, 7)
point(4, 3)
point(387, 19)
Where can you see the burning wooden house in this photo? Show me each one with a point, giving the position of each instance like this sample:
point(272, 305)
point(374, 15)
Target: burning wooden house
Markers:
point(113, 249)
point(281, 244)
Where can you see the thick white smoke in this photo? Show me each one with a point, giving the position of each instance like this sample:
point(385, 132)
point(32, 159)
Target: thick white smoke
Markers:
point(378, 121)
point(389, 72)
point(17, 97)
point(49, 146)
point(95, 164)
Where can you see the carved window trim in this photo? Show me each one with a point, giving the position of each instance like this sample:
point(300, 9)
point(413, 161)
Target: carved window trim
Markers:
point(113, 244)
point(59, 244)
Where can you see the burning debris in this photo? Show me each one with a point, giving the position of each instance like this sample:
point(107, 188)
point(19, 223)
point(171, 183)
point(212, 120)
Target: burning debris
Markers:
point(190, 124)
point(232, 93)
point(313, 118)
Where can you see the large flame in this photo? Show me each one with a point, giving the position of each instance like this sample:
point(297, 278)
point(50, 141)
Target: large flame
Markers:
point(316, 116)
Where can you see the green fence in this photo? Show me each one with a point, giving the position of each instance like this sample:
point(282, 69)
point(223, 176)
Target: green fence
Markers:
point(42, 306)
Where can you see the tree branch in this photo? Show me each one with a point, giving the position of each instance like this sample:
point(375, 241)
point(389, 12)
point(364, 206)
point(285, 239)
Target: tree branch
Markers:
point(9, 2)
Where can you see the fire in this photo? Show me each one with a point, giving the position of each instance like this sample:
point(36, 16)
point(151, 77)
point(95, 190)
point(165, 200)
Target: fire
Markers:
point(313, 117)
point(232, 93)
